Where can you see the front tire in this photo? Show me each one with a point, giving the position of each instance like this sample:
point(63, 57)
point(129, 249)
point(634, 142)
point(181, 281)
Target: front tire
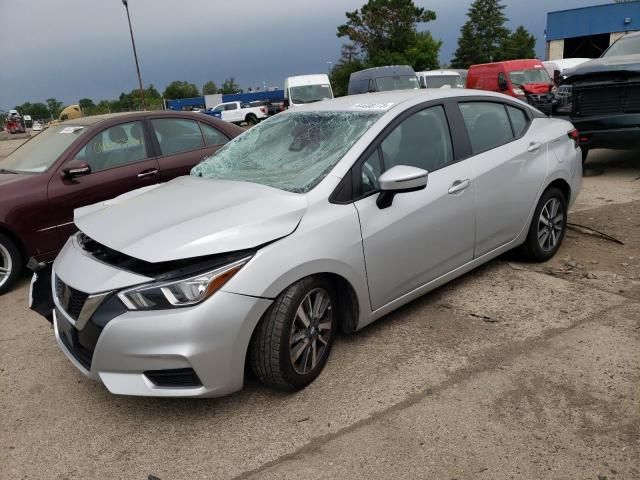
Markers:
point(548, 226)
point(292, 342)
point(10, 263)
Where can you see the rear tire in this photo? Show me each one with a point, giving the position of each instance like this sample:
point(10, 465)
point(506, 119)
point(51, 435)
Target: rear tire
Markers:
point(548, 226)
point(10, 263)
point(251, 119)
point(289, 349)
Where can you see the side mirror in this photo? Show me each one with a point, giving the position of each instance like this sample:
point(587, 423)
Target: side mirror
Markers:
point(75, 168)
point(286, 103)
point(400, 179)
point(502, 84)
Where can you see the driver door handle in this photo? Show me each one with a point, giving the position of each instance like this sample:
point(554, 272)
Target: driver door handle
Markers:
point(534, 147)
point(148, 173)
point(459, 186)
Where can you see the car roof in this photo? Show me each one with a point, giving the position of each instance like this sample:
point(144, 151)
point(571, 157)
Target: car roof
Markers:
point(95, 119)
point(386, 101)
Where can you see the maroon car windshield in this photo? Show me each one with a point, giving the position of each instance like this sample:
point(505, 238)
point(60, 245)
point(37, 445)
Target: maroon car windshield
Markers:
point(38, 154)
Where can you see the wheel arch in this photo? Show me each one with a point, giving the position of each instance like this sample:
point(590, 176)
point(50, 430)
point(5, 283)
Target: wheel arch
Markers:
point(562, 185)
point(5, 230)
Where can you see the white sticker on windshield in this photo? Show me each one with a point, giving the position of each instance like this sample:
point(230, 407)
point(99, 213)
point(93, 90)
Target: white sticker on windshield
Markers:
point(70, 129)
point(373, 106)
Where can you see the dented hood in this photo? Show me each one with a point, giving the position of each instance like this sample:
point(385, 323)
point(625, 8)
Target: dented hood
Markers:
point(537, 88)
point(191, 217)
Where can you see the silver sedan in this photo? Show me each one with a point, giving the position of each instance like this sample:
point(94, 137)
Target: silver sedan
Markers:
point(320, 219)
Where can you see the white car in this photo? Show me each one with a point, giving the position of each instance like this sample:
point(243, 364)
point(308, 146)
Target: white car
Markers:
point(322, 218)
point(440, 79)
point(238, 112)
point(37, 127)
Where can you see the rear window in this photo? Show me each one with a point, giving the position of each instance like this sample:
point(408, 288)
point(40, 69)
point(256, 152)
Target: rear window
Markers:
point(487, 124)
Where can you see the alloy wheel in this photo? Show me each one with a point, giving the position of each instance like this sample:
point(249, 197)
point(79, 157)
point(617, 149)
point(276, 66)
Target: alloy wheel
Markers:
point(311, 331)
point(6, 265)
point(550, 224)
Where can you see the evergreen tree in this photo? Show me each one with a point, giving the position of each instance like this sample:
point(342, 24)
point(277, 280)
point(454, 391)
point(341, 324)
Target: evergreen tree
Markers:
point(483, 35)
point(520, 44)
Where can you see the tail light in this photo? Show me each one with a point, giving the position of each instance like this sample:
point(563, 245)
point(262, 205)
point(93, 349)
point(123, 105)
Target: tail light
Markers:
point(575, 136)
point(263, 109)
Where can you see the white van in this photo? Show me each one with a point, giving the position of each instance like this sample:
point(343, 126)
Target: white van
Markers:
point(303, 89)
point(440, 79)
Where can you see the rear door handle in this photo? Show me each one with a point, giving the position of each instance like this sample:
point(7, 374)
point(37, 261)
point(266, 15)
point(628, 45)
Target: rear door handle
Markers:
point(148, 173)
point(459, 186)
point(534, 147)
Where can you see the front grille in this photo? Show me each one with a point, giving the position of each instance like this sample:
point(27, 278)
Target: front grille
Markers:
point(607, 99)
point(177, 377)
point(70, 339)
point(70, 299)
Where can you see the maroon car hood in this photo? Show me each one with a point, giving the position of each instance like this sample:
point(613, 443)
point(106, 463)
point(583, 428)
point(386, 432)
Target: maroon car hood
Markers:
point(537, 87)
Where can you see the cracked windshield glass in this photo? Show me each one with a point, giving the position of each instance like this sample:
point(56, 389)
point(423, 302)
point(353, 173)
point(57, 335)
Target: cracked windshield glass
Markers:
point(291, 152)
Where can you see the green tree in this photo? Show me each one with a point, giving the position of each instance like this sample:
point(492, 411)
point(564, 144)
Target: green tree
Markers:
point(180, 89)
point(54, 107)
point(520, 44)
point(86, 105)
point(230, 86)
point(483, 35)
point(386, 33)
point(339, 75)
point(209, 88)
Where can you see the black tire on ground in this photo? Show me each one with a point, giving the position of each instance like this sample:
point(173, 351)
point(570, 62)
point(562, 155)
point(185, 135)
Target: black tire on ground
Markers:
point(585, 153)
point(8, 247)
point(270, 350)
point(251, 119)
point(532, 249)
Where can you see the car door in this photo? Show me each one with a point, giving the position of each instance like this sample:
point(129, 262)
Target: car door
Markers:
point(121, 160)
point(181, 145)
point(233, 113)
point(509, 166)
point(424, 234)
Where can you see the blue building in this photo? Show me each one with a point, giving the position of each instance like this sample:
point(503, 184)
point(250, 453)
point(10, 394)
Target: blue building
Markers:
point(586, 32)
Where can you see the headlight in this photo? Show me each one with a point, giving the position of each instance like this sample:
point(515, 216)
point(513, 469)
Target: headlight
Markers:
point(518, 91)
point(179, 293)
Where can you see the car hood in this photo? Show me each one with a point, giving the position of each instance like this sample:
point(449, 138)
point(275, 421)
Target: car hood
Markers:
point(191, 217)
point(14, 178)
point(629, 63)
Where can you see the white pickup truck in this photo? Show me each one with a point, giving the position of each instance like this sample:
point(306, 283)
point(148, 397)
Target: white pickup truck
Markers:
point(238, 112)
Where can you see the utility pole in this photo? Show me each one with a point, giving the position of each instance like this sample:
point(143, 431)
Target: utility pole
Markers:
point(135, 54)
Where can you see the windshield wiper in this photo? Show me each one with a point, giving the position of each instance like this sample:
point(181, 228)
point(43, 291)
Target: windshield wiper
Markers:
point(4, 170)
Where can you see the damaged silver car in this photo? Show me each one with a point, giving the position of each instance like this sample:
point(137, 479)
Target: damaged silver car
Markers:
point(318, 220)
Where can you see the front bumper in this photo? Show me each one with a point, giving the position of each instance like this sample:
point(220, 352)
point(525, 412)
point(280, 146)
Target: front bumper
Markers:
point(120, 347)
point(618, 131)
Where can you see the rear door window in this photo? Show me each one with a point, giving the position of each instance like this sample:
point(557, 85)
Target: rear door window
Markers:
point(176, 135)
point(488, 125)
point(212, 135)
point(519, 120)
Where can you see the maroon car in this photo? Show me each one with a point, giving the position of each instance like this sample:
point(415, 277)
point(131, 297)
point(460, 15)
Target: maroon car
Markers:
point(89, 160)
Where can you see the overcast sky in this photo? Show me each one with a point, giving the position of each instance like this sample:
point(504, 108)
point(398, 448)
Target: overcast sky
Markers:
point(71, 49)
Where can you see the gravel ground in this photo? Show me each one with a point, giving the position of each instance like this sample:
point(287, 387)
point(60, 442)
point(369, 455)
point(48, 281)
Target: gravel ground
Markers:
point(512, 371)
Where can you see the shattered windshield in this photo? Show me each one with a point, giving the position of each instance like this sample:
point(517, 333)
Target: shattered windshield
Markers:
point(624, 46)
point(534, 75)
point(310, 93)
point(292, 151)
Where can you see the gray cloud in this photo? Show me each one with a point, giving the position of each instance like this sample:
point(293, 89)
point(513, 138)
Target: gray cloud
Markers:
point(81, 48)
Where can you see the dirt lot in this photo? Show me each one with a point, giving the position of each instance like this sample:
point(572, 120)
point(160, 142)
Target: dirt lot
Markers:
point(513, 371)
